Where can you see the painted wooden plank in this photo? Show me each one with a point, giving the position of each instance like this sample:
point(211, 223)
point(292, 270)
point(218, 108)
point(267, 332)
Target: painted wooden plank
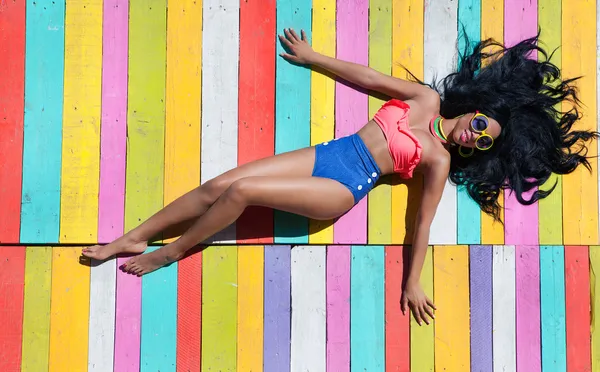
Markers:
point(577, 305)
point(351, 105)
point(528, 307)
point(103, 284)
point(322, 98)
point(292, 114)
point(146, 111)
point(220, 45)
point(189, 312)
point(379, 214)
point(367, 318)
point(580, 188)
point(113, 131)
point(492, 26)
point(440, 37)
point(69, 311)
point(552, 306)
point(338, 308)
point(250, 278)
point(128, 319)
point(397, 324)
point(480, 259)
point(12, 80)
point(182, 109)
point(521, 222)
point(81, 122)
point(407, 51)
point(551, 214)
point(451, 284)
point(594, 253)
point(422, 338)
point(276, 334)
point(308, 335)
point(504, 309)
point(159, 319)
point(44, 69)
point(256, 123)
point(219, 308)
point(12, 282)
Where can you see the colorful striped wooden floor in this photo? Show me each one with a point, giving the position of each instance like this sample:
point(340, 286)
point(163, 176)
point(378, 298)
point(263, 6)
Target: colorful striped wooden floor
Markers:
point(109, 110)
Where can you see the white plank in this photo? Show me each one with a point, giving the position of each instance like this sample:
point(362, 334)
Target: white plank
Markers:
point(103, 283)
point(440, 36)
point(220, 56)
point(308, 348)
point(504, 309)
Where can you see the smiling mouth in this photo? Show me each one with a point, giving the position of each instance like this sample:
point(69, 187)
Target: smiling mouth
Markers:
point(464, 136)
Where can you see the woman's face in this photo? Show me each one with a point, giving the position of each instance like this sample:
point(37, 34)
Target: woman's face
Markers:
point(465, 135)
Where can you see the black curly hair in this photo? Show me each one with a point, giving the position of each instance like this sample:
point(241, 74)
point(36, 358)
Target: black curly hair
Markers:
point(522, 94)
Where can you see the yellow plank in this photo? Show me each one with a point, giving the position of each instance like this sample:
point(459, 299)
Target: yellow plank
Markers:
point(422, 337)
point(250, 308)
point(492, 26)
point(580, 188)
point(81, 122)
point(219, 308)
point(451, 282)
point(322, 99)
point(380, 59)
point(595, 315)
point(69, 311)
point(407, 51)
point(183, 95)
point(36, 309)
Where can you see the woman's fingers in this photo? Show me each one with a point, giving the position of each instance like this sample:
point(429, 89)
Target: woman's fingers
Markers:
point(285, 42)
point(294, 35)
point(430, 303)
point(423, 314)
point(429, 312)
point(304, 36)
point(289, 57)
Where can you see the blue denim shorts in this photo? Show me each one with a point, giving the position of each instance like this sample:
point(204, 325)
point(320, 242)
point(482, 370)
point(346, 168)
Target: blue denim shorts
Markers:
point(348, 161)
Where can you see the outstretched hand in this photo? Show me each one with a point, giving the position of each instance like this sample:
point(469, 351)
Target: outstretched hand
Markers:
point(299, 51)
point(422, 307)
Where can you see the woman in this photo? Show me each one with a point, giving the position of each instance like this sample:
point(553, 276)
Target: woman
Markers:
point(495, 127)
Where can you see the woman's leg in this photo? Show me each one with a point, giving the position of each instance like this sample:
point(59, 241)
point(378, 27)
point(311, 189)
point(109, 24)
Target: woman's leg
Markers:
point(195, 203)
point(313, 197)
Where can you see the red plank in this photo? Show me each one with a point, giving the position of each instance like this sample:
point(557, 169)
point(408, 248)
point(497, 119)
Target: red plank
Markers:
point(256, 135)
point(397, 325)
point(189, 312)
point(12, 81)
point(12, 282)
point(577, 298)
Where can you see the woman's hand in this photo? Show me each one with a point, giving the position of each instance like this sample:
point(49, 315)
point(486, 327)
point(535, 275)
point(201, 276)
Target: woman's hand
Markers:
point(421, 306)
point(299, 49)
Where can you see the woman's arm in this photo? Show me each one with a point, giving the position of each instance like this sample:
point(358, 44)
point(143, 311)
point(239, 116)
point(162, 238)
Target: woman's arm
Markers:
point(363, 76)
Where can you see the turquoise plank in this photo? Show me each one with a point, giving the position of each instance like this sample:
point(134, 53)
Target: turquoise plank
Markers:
point(469, 214)
point(367, 315)
point(42, 147)
point(159, 319)
point(552, 278)
point(292, 111)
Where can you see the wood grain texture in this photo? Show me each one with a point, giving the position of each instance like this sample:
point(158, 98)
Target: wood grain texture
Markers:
point(379, 218)
point(338, 308)
point(451, 297)
point(481, 293)
point(189, 312)
point(42, 143)
point(504, 309)
point(322, 98)
point(422, 338)
point(440, 37)
point(256, 123)
point(552, 306)
point(308, 334)
point(12, 282)
point(250, 278)
point(12, 91)
point(101, 346)
point(36, 309)
point(594, 253)
point(528, 307)
point(128, 319)
point(69, 311)
point(81, 122)
point(577, 308)
point(219, 308)
point(397, 324)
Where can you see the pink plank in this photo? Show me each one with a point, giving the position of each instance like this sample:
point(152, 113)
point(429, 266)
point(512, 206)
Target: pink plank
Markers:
point(338, 308)
point(521, 221)
point(351, 106)
point(114, 120)
point(127, 322)
point(528, 308)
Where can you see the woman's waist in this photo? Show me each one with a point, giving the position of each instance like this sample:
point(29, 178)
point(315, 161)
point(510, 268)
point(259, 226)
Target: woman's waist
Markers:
point(375, 141)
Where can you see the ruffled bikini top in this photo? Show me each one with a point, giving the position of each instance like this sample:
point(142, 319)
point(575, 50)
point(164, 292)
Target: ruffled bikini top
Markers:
point(403, 145)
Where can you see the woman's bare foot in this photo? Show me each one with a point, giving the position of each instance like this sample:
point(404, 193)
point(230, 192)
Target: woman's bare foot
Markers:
point(124, 244)
point(146, 263)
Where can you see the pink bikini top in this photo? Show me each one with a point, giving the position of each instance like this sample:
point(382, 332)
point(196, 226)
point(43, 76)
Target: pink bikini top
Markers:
point(404, 147)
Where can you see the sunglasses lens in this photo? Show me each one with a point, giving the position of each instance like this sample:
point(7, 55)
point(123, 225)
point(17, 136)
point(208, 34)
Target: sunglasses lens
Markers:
point(480, 123)
point(484, 142)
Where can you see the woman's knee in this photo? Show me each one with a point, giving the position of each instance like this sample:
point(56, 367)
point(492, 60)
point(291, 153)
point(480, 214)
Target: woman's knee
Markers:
point(214, 188)
point(239, 192)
